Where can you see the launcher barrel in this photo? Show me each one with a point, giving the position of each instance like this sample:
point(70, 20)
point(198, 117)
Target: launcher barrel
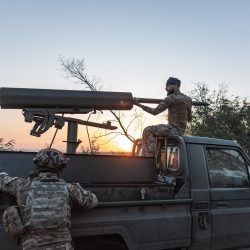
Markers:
point(157, 101)
point(20, 98)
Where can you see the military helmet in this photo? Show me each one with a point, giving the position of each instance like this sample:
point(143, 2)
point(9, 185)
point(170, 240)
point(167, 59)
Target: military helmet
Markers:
point(50, 159)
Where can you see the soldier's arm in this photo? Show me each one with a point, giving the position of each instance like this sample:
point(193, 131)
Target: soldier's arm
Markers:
point(189, 109)
point(9, 184)
point(189, 115)
point(162, 106)
point(80, 197)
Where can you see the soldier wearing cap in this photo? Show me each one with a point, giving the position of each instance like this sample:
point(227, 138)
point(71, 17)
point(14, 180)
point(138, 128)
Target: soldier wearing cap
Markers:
point(179, 113)
point(41, 219)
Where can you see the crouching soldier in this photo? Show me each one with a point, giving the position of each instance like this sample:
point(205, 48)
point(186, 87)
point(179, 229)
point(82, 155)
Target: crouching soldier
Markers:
point(41, 218)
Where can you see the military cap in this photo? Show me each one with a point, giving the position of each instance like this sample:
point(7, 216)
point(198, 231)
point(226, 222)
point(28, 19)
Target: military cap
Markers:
point(173, 81)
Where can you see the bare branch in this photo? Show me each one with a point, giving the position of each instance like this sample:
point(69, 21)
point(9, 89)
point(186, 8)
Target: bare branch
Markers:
point(76, 69)
point(107, 134)
point(109, 140)
point(8, 146)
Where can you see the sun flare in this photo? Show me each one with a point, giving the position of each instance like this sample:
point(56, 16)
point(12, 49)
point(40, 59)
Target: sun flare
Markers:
point(123, 143)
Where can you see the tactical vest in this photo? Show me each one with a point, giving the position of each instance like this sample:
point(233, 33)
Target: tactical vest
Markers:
point(47, 204)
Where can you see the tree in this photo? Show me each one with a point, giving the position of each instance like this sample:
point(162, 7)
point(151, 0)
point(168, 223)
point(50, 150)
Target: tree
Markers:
point(226, 118)
point(6, 146)
point(75, 68)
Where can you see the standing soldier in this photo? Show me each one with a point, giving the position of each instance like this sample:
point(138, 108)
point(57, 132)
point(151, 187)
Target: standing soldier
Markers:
point(41, 218)
point(179, 113)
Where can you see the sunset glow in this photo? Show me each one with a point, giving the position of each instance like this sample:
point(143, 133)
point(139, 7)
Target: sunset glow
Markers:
point(127, 46)
point(123, 144)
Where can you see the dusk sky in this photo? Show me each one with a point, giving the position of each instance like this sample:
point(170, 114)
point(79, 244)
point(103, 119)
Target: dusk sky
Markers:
point(132, 46)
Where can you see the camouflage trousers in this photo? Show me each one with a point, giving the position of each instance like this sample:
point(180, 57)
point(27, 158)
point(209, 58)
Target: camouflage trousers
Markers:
point(64, 246)
point(151, 132)
point(50, 239)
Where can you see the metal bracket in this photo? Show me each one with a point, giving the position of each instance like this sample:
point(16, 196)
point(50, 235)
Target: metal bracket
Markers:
point(46, 118)
point(43, 119)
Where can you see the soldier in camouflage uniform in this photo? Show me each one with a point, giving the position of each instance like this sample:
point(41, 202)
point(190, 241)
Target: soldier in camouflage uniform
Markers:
point(179, 113)
point(45, 202)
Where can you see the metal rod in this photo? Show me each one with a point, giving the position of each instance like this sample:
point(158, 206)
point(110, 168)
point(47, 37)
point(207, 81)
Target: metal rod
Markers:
point(157, 101)
point(91, 124)
point(72, 142)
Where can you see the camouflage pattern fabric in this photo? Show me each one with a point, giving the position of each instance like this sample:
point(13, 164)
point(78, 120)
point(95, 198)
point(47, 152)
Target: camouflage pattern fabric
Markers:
point(12, 222)
point(66, 246)
point(46, 239)
point(47, 204)
point(179, 109)
point(150, 134)
point(179, 113)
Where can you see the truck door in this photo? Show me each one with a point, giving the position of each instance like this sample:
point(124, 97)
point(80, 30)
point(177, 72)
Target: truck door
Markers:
point(201, 219)
point(230, 197)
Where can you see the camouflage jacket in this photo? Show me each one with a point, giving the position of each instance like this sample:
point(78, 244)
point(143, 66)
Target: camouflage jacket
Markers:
point(19, 187)
point(179, 109)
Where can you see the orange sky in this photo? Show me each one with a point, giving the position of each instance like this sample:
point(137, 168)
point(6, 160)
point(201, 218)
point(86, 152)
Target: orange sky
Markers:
point(12, 126)
point(128, 46)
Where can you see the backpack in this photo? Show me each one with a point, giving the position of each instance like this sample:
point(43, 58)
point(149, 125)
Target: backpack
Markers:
point(12, 221)
point(47, 204)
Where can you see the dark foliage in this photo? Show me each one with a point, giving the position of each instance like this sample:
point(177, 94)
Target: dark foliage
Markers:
point(225, 118)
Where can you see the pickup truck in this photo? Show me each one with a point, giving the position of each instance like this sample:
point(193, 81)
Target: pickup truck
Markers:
point(207, 206)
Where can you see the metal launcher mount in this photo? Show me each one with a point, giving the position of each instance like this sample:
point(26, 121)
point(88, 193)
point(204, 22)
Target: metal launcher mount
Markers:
point(42, 107)
point(47, 107)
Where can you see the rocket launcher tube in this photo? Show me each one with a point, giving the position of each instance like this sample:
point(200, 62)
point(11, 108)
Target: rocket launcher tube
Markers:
point(157, 101)
point(20, 98)
point(75, 101)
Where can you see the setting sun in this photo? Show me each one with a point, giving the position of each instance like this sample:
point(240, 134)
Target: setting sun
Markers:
point(123, 143)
